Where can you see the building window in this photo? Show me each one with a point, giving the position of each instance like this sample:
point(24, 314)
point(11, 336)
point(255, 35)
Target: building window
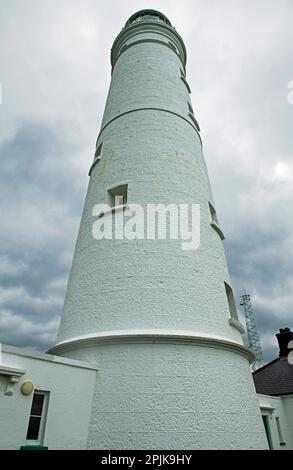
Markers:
point(117, 196)
point(233, 320)
point(191, 113)
point(98, 150)
point(213, 213)
point(280, 434)
point(37, 421)
point(215, 222)
point(190, 109)
point(265, 419)
point(231, 301)
point(97, 157)
point(194, 121)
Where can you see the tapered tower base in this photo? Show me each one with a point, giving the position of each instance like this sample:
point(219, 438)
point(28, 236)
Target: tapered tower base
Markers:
point(166, 391)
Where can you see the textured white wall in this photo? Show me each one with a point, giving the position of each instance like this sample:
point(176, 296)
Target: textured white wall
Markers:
point(205, 397)
point(71, 388)
point(126, 284)
point(167, 396)
point(280, 407)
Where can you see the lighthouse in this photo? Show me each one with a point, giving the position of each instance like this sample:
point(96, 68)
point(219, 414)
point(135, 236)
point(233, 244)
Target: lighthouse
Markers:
point(157, 317)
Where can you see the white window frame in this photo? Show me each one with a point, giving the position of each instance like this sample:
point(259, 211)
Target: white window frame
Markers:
point(280, 431)
point(41, 434)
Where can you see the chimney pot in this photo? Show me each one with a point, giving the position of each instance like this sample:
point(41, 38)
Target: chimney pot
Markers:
point(284, 337)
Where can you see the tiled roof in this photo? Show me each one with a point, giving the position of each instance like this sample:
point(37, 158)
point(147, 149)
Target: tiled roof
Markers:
point(275, 378)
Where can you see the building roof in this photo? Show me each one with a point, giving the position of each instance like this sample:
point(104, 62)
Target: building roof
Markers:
point(46, 357)
point(276, 377)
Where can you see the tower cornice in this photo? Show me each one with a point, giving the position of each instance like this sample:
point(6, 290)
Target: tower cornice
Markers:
point(148, 26)
point(152, 336)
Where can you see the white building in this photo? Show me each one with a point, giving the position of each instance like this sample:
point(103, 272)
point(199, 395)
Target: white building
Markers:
point(155, 326)
point(274, 385)
point(45, 401)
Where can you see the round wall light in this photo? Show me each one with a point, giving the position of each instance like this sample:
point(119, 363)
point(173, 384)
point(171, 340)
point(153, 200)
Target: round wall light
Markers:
point(27, 387)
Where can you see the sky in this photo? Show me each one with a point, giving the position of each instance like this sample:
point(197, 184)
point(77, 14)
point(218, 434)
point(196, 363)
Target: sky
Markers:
point(54, 75)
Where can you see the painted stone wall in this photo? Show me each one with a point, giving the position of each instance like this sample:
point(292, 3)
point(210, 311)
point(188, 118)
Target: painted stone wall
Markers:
point(156, 390)
point(70, 386)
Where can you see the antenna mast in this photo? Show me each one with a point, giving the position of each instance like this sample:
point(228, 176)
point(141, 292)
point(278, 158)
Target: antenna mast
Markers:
point(253, 341)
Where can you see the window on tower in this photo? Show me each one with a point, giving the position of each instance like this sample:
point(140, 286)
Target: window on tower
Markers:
point(194, 121)
point(213, 213)
point(99, 150)
point(233, 320)
point(191, 115)
point(117, 196)
point(97, 157)
point(231, 301)
point(214, 221)
point(190, 108)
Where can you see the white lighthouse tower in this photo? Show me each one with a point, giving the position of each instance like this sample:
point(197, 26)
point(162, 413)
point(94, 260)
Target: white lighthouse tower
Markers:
point(160, 322)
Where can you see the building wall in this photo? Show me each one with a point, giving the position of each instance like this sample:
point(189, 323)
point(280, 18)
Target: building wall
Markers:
point(130, 284)
point(288, 409)
point(70, 384)
point(282, 408)
point(167, 396)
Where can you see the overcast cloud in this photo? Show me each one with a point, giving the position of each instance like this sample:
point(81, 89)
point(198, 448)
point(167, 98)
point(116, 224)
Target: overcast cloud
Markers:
point(55, 73)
